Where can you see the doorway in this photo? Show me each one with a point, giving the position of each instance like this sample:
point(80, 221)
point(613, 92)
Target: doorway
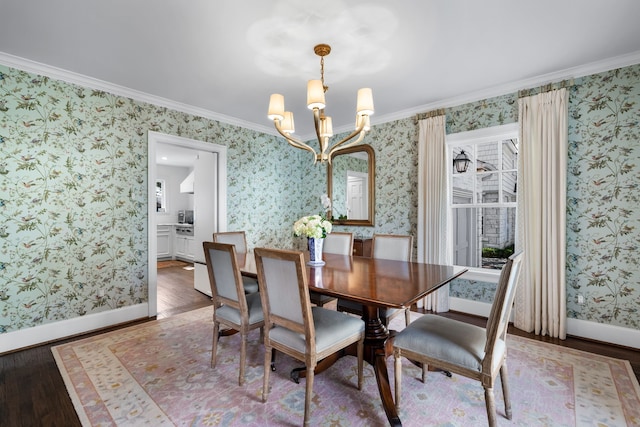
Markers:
point(210, 150)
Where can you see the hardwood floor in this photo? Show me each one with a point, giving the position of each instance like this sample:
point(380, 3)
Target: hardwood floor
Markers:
point(175, 290)
point(32, 392)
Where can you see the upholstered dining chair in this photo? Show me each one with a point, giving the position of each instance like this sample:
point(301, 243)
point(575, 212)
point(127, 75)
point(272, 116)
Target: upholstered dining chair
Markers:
point(386, 246)
point(395, 247)
point(232, 307)
point(239, 239)
point(464, 349)
point(293, 326)
point(338, 242)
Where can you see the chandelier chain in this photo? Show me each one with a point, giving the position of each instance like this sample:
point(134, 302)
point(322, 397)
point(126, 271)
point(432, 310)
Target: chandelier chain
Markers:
point(324, 87)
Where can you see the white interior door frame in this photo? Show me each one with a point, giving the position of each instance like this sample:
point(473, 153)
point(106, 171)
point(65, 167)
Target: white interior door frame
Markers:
point(153, 139)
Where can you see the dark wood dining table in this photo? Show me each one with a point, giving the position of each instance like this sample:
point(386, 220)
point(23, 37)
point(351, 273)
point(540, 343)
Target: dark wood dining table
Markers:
point(376, 284)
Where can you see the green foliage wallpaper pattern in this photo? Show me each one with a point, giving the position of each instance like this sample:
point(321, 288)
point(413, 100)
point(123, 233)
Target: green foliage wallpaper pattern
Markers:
point(73, 193)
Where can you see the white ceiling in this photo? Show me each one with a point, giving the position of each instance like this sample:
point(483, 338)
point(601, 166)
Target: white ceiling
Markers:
point(224, 58)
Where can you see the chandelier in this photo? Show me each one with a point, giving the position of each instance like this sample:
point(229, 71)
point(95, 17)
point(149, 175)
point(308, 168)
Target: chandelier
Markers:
point(283, 120)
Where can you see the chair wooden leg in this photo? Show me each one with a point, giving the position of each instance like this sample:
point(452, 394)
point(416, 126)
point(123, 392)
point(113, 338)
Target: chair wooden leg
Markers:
point(505, 390)
point(214, 345)
point(397, 376)
point(267, 371)
point(243, 356)
point(360, 363)
point(407, 317)
point(308, 394)
point(491, 406)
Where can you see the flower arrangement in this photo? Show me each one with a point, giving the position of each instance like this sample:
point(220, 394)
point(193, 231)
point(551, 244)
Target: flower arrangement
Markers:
point(314, 226)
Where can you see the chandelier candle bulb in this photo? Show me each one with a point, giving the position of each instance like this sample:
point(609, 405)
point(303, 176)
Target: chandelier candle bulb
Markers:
point(365, 102)
point(276, 107)
point(287, 124)
point(315, 95)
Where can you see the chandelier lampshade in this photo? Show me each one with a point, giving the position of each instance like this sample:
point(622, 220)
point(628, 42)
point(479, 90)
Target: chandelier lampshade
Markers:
point(316, 89)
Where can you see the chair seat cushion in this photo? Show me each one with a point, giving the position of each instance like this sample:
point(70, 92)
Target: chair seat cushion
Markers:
point(448, 340)
point(331, 327)
point(254, 306)
point(249, 284)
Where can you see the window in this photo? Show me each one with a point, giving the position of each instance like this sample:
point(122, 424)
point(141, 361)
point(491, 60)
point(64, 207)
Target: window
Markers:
point(483, 198)
point(161, 196)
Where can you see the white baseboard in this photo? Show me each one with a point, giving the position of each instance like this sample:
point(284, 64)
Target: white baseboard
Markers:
point(66, 328)
point(606, 333)
point(578, 328)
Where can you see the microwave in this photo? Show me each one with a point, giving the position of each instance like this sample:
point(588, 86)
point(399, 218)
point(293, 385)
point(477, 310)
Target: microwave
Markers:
point(185, 217)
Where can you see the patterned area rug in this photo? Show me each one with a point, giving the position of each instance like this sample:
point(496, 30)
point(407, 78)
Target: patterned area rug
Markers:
point(158, 374)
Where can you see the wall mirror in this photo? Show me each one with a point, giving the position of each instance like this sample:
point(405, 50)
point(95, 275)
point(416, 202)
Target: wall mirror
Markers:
point(351, 185)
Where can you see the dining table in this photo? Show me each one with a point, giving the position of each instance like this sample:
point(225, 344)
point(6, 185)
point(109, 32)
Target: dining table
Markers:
point(376, 284)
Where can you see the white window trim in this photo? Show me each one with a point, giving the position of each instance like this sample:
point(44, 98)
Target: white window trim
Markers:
point(480, 136)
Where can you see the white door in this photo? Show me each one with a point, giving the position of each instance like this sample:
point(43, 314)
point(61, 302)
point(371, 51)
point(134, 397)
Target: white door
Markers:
point(357, 191)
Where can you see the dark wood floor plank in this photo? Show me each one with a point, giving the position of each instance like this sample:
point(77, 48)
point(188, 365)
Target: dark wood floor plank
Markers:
point(32, 392)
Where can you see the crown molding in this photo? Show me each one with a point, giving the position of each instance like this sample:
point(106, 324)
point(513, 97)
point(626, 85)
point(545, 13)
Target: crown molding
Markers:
point(507, 88)
point(97, 84)
point(513, 87)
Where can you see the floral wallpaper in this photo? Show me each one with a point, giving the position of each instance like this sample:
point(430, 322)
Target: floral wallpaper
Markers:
point(73, 193)
point(603, 191)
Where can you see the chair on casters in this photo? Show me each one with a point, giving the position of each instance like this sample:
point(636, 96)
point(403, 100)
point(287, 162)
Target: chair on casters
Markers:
point(239, 240)
point(386, 246)
point(292, 326)
point(231, 306)
point(465, 349)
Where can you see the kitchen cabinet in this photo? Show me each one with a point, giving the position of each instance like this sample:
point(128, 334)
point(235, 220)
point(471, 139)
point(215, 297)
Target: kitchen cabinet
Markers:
point(184, 247)
point(164, 241)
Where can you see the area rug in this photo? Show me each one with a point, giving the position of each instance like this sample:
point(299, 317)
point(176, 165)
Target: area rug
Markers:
point(158, 374)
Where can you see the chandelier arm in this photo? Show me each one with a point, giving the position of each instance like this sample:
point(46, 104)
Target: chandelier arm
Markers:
point(341, 145)
point(316, 123)
point(292, 141)
point(360, 130)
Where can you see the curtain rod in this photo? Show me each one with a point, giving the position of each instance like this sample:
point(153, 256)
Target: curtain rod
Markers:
point(429, 114)
point(546, 88)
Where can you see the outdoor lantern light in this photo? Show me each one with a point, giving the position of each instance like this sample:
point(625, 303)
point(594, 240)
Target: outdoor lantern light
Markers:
point(461, 162)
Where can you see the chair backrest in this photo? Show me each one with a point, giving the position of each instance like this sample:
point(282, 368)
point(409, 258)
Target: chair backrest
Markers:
point(236, 238)
point(282, 280)
point(392, 246)
point(498, 320)
point(224, 275)
point(340, 243)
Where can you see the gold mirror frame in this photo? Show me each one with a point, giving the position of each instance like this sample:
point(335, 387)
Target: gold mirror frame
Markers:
point(369, 221)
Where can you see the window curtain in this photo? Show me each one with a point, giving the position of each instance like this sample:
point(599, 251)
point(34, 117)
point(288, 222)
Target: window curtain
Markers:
point(541, 298)
point(434, 233)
